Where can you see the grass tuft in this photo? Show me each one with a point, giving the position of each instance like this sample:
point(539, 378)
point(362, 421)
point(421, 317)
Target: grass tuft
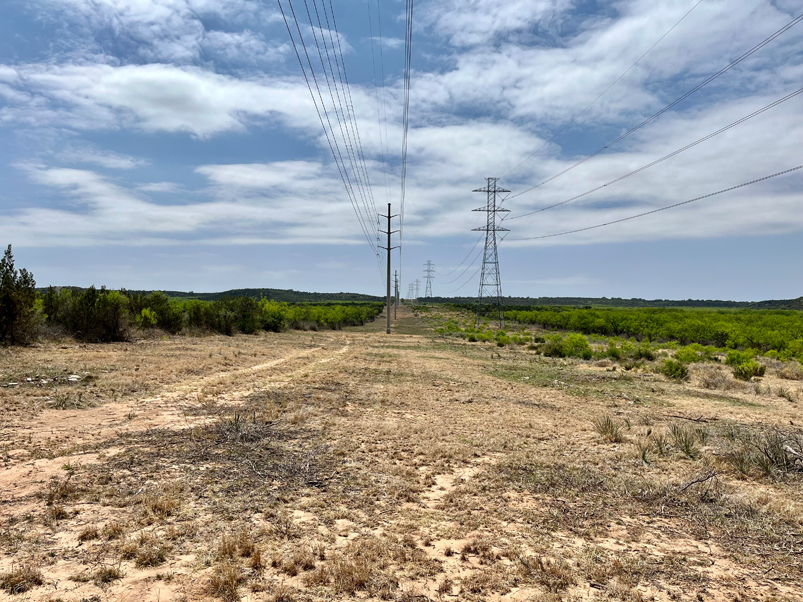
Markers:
point(609, 429)
point(22, 579)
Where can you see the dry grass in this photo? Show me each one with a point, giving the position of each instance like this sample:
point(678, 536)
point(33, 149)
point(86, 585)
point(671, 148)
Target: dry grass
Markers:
point(791, 371)
point(21, 579)
point(609, 429)
point(226, 580)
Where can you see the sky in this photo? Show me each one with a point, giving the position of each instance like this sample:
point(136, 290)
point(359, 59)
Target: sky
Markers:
point(174, 144)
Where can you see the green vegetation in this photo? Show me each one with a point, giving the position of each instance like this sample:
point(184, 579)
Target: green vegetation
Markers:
point(104, 316)
point(101, 315)
point(748, 370)
point(764, 330)
point(17, 302)
point(674, 369)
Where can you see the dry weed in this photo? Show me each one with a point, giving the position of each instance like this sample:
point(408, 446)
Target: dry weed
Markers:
point(609, 429)
point(297, 561)
point(113, 530)
point(555, 574)
point(225, 581)
point(791, 371)
point(22, 579)
point(88, 533)
point(710, 376)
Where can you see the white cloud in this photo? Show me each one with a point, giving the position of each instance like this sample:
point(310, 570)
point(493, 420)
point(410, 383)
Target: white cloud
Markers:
point(498, 95)
point(102, 211)
point(161, 187)
point(104, 158)
point(472, 22)
point(154, 98)
point(166, 30)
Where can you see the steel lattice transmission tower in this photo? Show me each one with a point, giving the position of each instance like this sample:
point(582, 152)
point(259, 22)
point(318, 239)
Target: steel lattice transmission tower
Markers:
point(430, 271)
point(417, 288)
point(490, 280)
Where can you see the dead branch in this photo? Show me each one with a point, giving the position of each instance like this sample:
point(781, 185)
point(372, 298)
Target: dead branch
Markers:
point(701, 479)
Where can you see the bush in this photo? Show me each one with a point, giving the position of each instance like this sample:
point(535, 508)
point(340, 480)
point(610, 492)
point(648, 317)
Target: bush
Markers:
point(17, 297)
point(553, 347)
point(735, 358)
point(576, 345)
point(613, 352)
point(643, 352)
point(748, 370)
point(273, 315)
point(98, 316)
point(674, 369)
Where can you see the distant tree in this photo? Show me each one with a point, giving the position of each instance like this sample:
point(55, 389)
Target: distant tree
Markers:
point(17, 298)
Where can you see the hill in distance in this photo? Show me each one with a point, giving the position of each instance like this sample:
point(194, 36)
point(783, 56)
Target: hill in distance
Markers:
point(293, 296)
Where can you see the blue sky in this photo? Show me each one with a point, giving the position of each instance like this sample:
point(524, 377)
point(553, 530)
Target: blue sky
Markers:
point(173, 144)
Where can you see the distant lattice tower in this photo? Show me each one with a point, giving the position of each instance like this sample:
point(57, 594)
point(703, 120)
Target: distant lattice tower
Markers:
point(490, 280)
point(430, 274)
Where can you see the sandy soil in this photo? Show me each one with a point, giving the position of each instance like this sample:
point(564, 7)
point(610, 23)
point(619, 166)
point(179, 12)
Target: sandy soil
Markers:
point(352, 464)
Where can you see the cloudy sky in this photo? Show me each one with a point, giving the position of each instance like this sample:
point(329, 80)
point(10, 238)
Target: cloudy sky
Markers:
point(174, 144)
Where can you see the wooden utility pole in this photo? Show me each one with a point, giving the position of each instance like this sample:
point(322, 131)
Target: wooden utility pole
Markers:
point(389, 248)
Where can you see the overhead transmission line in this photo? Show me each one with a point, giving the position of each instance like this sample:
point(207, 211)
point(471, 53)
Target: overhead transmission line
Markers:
point(593, 102)
point(408, 49)
point(350, 104)
point(469, 254)
point(694, 200)
point(669, 156)
point(466, 282)
point(329, 132)
point(649, 120)
point(339, 116)
point(383, 144)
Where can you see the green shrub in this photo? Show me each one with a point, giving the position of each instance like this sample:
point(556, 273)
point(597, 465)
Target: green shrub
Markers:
point(674, 369)
point(748, 370)
point(685, 355)
point(17, 297)
point(553, 347)
point(576, 345)
point(735, 358)
point(613, 352)
point(643, 352)
point(147, 318)
point(273, 315)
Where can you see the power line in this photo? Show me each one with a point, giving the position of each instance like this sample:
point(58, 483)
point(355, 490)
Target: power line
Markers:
point(408, 43)
point(699, 198)
point(382, 144)
point(350, 104)
point(339, 155)
point(343, 177)
point(593, 102)
point(670, 155)
point(649, 120)
point(350, 151)
point(477, 271)
point(476, 244)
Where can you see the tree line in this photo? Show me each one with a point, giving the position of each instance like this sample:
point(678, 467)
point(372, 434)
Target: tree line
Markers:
point(101, 315)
